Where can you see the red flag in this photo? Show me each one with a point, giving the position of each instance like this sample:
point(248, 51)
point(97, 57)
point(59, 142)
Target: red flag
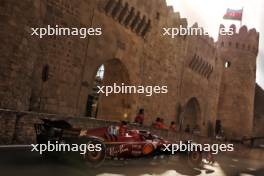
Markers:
point(234, 14)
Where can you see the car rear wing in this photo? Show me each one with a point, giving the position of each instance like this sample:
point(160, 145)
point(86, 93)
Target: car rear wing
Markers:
point(53, 130)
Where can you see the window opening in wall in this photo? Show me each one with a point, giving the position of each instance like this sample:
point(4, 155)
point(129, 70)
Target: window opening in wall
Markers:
point(129, 17)
point(109, 6)
point(123, 13)
point(100, 72)
point(45, 73)
point(227, 64)
point(93, 98)
point(158, 16)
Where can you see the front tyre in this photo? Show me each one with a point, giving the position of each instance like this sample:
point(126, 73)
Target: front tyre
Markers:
point(96, 157)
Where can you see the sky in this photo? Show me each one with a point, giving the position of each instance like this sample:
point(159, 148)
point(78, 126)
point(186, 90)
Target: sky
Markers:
point(209, 14)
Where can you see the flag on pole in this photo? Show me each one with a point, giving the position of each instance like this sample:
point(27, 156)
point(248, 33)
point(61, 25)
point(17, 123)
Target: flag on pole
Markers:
point(232, 14)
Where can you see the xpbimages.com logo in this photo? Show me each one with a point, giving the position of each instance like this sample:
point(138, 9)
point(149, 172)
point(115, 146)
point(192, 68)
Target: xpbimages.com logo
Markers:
point(65, 31)
point(172, 32)
point(189, 146)
point(128, 89)
point(63, 147)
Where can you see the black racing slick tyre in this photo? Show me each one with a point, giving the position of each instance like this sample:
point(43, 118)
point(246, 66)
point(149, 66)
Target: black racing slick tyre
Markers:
point(195, 158)
point(96, 157)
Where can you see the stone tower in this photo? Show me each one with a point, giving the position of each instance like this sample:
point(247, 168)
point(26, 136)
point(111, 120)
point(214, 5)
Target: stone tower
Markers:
point(238, 54)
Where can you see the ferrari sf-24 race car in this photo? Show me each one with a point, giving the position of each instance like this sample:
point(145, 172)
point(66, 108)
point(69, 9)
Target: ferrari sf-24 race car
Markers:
point(116, 141)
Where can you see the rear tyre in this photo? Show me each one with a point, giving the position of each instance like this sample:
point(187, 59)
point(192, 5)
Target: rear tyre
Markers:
point(195, 158)
point(95, 158)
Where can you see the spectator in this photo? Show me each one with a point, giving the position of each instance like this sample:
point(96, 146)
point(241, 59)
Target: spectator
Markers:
point(139, 119)
point(157, 123)
point(173, 126)
point(162, 124)
point(218, 127)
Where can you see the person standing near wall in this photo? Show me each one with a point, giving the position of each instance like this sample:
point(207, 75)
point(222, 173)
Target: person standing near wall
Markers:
point(139, 119)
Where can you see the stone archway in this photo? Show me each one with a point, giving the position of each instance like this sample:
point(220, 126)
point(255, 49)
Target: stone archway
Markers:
point(113, 106)
point(191, 114)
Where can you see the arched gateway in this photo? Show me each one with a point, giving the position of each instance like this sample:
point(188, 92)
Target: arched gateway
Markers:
point(114, 106)
point(191, 114)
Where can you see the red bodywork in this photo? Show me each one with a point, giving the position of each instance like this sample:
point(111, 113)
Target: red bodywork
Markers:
point(121, 142)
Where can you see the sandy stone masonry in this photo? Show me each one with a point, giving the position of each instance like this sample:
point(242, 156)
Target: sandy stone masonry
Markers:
point(236, 104)
point(57, 74)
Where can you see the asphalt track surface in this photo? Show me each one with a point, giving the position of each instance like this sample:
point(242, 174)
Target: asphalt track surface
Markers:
point(23, 162)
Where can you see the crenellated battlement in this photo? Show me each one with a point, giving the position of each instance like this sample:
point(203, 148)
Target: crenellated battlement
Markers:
point(170, 9)
point(128, 15)
point(138, 18)
point(175, 17)
point(204, 40)
point(172, 14)
point(241, 39)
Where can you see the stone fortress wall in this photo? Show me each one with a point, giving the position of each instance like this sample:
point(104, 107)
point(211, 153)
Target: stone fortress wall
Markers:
point(237, 91)
point(56, 74)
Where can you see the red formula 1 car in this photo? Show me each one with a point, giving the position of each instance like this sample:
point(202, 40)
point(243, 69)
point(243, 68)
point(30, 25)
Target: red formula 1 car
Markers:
point(116, 141)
